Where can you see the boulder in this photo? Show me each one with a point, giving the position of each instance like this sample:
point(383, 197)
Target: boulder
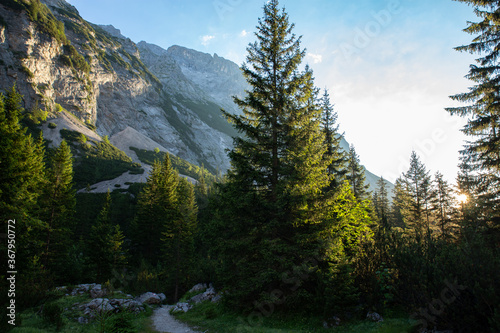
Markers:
point(198, 287)
point(205, 296)
point(82, 289)
point(98, 292)
point(181, 307)
point(331, 322)
point(149, 298)
point(162, 297)
point(373, 316)
point(101, 305)
point(216, 298)
point(127, 304)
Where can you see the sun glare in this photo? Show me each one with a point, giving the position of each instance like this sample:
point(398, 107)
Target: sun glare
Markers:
point(462, 198)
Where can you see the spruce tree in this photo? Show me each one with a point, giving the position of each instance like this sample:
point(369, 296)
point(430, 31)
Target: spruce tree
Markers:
point(178, 237)
point(22, 178)
point(398, 200)
point(338, 166)
point(157, 205)
point(59, 204)
point(356, 176)
point(482, 113)
point(349, 230)
point(381, 203)
point(22, 170)
point(272, 201)
point(443, 204)
point(471, 214)
point(105, 244)
point(417, 194)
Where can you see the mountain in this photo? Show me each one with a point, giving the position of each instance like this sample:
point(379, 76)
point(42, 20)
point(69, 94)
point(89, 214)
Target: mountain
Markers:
point(92, 79)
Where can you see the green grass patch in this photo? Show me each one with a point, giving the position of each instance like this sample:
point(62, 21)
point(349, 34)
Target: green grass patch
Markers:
point(181, 165)
point(214, 318)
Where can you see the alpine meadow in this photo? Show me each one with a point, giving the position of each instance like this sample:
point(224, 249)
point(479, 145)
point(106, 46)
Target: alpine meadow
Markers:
point(145, 189)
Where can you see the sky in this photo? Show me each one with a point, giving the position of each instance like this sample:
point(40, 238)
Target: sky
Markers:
point(389, 65)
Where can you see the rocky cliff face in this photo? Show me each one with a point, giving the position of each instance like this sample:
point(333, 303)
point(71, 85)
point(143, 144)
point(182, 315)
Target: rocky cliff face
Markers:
point(107, 81)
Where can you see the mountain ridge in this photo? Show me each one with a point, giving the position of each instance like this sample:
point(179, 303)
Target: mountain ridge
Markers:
point(108, 82)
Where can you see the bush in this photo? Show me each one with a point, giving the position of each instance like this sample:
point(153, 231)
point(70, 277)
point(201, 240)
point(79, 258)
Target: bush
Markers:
point(59, 108)
point(52, 314)
point(52, 125)
point(121, 323)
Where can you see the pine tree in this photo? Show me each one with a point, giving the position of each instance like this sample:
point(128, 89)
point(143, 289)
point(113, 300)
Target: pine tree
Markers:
point(349, 229)
point(178, 237)
point(59, 203)
point(338, 166)
point(105, 244)
point(22, 171)
point(381, 203)
point(443, 204)
point(417, 196)
point(22, 177)
point(157, 205)
point(272, 201)
point(483, 116)
point(202, 190)
point(398, 199)
point(356, 176)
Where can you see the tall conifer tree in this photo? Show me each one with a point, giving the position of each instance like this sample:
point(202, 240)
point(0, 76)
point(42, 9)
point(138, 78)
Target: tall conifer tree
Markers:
point(22, 178)
point(338, 166)
point(59, 204)
point(417, 194)
point(356, 176)
point(272, 200)
point(22, 171)
point(156, 206)
point(483, 109)
point(443, 204)
point(178, 237)
point(381, 203)
point(105, 244)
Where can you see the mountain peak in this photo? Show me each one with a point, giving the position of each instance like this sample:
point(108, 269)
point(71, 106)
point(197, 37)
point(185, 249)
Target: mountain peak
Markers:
point(110, 29)
point(62, 4)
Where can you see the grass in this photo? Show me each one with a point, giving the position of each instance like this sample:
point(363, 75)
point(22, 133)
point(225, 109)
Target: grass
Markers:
point(213, 318)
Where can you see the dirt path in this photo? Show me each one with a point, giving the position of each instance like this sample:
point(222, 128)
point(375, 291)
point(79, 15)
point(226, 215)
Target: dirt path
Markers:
point(163, 321)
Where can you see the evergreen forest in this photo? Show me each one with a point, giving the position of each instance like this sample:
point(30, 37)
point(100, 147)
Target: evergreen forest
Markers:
point(291, 230)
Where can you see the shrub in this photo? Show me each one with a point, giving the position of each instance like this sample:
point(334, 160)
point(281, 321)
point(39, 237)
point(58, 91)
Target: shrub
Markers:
point(52, 314)
point(52, 125)
point(121, 323)
point(82, 138)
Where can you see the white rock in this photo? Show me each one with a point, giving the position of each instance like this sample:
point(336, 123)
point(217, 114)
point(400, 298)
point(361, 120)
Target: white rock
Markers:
point(97, 291)
point(373, 316)
point(149, 298)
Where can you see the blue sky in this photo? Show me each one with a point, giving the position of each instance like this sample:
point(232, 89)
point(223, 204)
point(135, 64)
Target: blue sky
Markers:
point(389, 65)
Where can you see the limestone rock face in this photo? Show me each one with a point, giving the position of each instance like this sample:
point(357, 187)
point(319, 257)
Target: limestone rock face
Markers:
point(106, 81)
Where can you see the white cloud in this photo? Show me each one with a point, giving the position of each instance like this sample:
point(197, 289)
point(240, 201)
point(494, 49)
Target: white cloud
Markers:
point(205, 40)
point(316, 58)
point(244, 33)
